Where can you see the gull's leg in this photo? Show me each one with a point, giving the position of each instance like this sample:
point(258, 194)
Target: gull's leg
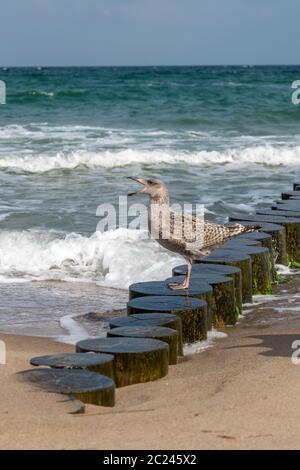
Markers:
point(186, 283)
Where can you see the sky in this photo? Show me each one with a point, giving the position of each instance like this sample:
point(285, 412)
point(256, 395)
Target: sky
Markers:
point(149, 32)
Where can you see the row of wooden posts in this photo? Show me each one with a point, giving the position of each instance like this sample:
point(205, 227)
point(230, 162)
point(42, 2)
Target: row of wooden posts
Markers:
point(141, 346)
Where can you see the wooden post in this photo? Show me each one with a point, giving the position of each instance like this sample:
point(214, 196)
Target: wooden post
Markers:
point(238, 259)
point(201, 290)
point(262, 268)
point(87, 386)
point(100, 363)
point(278, 234)
point(152, 319)
point(217, 269)
point(193, 312)
point(223, 305)
point(136, 360)
point(292, 226)
point(161, 333)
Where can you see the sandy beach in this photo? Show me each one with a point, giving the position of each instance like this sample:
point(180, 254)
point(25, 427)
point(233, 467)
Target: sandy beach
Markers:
point(240, 394)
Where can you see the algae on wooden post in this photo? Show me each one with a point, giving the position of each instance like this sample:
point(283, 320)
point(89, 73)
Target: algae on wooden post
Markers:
point(276, 226)
point(223, 298)
point(264, 238)
point(152, 319)
point(266, 241)
point(261, 269)
point(279, 246)
point(201, 290)
point(167, 335)
point(239, 260)
point(262, 273)
point(193, 313)
point(136, 360)
point(221, 269)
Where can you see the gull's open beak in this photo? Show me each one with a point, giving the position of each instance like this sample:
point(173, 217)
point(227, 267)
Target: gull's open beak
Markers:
point(138, 180)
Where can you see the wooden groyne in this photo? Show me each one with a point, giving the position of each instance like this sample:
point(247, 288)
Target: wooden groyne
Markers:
point(141, 346)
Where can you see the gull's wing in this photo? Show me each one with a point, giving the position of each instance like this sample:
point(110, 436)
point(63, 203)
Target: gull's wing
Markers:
point(194, 236)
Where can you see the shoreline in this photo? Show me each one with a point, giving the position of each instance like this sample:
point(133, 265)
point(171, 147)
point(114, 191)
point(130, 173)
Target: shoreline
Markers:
point(242, 393)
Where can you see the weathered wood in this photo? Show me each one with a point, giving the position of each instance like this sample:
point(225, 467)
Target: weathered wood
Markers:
point(262, 269)
point(278, 234)
point(100, 363)
point(292, 227)
point(264, 238)
point(290, 235)
point(239, 260)
point(161, 333)
point(217, 269)
point(136, 360)
point(152, 319)
point(199, 290)
point(236, 242)
point(193, 313)
point(223, 305)
point(89, 387)
point(286, 206)
point(289, 194)
point(280, 201)
point(267, 242)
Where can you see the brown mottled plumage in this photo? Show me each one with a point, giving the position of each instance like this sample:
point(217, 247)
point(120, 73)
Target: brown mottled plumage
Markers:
point(183, 233)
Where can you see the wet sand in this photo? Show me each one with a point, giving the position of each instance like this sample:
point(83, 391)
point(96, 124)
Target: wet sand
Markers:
point(243, 393)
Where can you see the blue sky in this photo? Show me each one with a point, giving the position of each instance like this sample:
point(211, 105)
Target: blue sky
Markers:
point(149, 32)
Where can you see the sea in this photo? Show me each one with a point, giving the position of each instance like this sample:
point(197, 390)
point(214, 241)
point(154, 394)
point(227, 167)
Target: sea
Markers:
point(225, 137)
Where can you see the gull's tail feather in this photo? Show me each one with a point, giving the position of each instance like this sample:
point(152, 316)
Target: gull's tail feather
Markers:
point(216, 235)
point(238, 229)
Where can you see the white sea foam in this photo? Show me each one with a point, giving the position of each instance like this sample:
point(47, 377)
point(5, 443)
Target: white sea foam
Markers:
point(72, 146)
point(266, 155)
point(286, 270)
point(115, 258)
point(75, 332)
point(4, 216)
point(200, 346)
point(244, 313)
point(43, 93)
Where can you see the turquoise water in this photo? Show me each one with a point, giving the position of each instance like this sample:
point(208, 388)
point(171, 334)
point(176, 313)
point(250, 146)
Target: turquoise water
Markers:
point(227, 137)
point(231, 100)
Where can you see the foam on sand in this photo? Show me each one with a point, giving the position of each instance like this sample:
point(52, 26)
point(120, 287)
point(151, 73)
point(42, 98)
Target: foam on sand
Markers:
point(75, 332)
point(286, 270)
point(201, 346)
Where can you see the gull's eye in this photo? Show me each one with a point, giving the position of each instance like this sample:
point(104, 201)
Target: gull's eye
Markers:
point(150, 182)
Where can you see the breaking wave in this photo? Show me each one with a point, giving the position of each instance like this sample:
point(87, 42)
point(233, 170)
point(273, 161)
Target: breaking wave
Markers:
point(115, 258)
point(262, 155)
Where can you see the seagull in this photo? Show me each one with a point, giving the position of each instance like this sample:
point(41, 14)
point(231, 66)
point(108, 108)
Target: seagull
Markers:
point(186, 234)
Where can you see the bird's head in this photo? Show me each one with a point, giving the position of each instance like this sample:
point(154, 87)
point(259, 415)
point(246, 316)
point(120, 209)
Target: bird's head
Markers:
point(156, 189)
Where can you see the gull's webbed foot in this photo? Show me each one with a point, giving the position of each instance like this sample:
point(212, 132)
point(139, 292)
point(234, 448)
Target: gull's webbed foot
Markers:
point(181, 286)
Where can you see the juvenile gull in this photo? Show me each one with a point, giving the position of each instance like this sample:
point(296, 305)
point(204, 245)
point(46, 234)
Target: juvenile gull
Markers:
point(195, 238)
